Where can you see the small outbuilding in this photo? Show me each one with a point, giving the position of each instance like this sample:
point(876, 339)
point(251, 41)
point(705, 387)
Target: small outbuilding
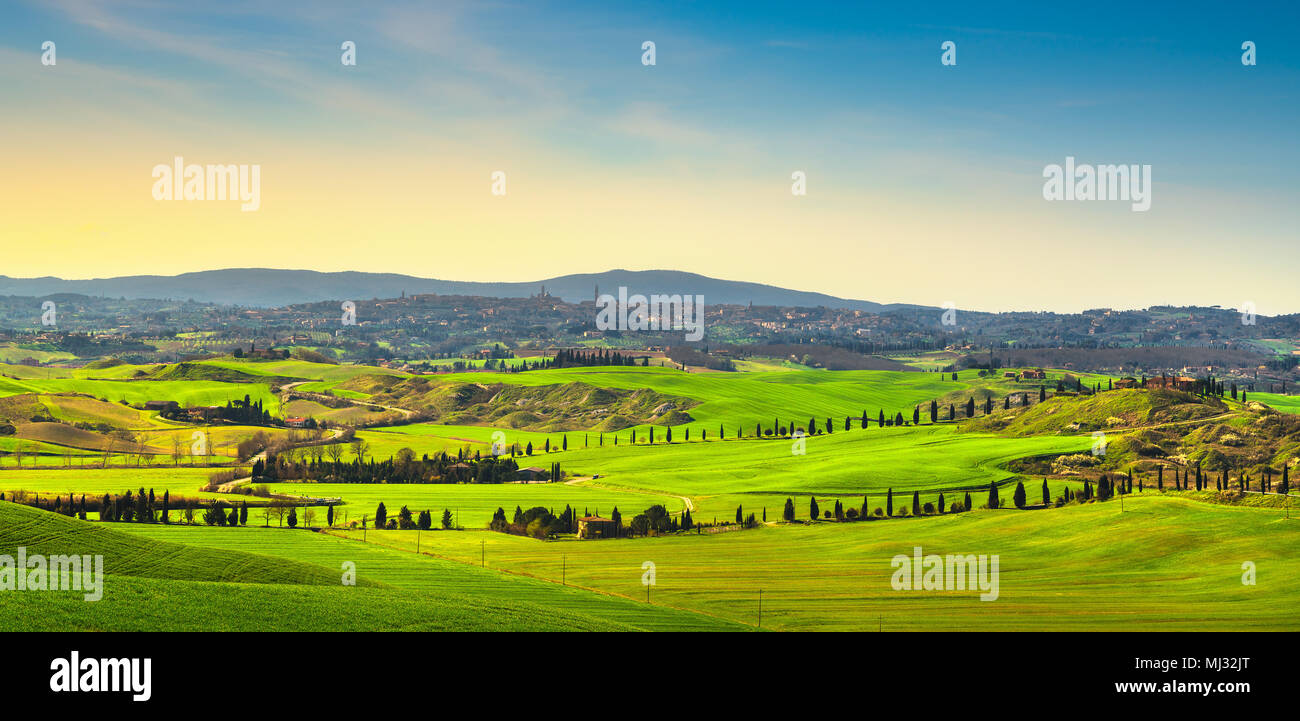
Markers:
point(596, 527)
point(530, 474)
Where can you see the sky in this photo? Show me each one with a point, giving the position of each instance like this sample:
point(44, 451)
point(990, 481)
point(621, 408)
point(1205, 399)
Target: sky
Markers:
point(924, 181)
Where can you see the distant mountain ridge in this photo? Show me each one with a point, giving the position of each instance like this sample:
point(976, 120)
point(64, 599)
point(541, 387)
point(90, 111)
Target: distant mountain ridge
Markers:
point(267, 287)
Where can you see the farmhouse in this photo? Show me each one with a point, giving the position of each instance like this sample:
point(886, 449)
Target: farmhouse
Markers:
point(1033, 374)
point(530, 473)
point(1176, 383)
point(1126, 382)
point(295, 422)
point(203, 413)
point(458, 471)
point(596, 527)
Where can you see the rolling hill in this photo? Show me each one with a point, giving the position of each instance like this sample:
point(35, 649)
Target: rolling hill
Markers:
point(265, 287)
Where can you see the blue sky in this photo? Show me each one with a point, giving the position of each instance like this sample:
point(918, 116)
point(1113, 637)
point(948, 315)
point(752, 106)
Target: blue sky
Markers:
point(921, 177)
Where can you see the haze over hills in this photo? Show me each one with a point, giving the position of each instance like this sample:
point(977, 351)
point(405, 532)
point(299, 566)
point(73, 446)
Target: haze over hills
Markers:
point(265, 287)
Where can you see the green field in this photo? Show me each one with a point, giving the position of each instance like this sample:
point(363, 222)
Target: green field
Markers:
point(428, 574)
point(98, 481)
point(292, 581)
point(1277, 401)
point(472, 504)
point(186, 393)
point(1087, 567)
point(1082, 566)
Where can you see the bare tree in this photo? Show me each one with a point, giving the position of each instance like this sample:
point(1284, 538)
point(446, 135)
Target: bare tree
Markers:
point(360, 448)
point(335, 452)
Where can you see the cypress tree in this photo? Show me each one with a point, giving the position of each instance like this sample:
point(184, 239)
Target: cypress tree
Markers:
point(993, 495)
point(889, 502)
point(1047, 495)
point(916, 503)
point(813, 511)
point(788, 513)
point(1018, 497)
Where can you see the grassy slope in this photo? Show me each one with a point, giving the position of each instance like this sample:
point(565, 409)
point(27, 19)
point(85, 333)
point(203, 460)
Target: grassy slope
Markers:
point(141, 604)
point(717, 475)
point(129, 555)
point(153, 583)
point(98, 481)
point(913, 458)
point(1166, 563)
point(431, 575)
point(473, 504)
point(1112, 409)
point(80, 409)
point(187, 393)
point(1279, 402)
